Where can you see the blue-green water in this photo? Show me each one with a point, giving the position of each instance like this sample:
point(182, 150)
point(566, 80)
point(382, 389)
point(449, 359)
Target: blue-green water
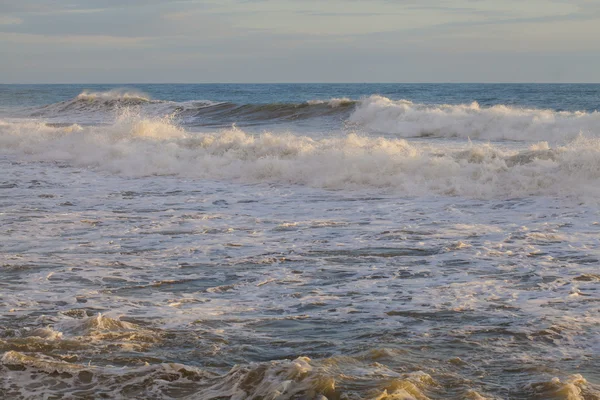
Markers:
point(569, 97)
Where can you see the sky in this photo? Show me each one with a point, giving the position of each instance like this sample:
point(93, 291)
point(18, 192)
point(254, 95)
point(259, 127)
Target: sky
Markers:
point(196, 41)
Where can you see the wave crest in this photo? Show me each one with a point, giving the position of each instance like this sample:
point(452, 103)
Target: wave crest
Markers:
point(115, 94)
point(408, 119)
point(89, 106)
point(86, 104)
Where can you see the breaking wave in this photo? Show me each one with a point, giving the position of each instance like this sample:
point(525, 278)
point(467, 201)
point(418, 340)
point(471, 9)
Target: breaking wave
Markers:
point(196, 112)
point(332, 378)
point(340, 377)
point(113, 95)
point(374, 114)
point(407, 119)
point(138, 146)
point(90, 102)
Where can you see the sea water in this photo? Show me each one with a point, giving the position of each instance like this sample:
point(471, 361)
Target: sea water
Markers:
point(309, 241)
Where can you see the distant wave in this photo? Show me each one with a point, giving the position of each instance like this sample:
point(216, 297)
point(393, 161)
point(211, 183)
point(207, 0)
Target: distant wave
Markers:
point(87, 103)
point(196, 112)
point(139, 146)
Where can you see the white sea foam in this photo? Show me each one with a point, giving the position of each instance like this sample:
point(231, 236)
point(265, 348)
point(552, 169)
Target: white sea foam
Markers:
point(138, 146)
point(408, 119)
point(284, 379)
point(110, 278)
point(334, 102)
point(115, 94)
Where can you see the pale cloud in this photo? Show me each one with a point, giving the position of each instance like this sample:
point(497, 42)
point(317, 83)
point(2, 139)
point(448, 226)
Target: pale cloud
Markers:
point(8, 20)
point(70, 40)
point(61, 6)
point(299, 40)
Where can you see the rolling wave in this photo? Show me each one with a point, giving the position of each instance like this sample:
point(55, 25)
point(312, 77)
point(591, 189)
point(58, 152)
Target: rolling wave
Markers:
point(407, 119)
point(301, 378)
point(225, 114)
point(196, 112)
point(90, 102)
point(138, 146)
point(374, 115)
point(337, 377)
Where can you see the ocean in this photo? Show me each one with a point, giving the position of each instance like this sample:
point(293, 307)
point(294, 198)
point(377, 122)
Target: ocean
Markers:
point(300, 241)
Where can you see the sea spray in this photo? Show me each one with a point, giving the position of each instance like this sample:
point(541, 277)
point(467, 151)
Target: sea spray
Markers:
point(139, 146)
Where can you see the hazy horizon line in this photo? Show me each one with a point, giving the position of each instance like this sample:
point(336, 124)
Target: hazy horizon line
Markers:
point(303, 83)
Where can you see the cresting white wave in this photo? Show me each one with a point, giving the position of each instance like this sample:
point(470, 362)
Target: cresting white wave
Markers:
point(377, 114)
point(98, 106)
point(408, 119)
point(115, 94)
point(137, 146)
point(334, 102)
